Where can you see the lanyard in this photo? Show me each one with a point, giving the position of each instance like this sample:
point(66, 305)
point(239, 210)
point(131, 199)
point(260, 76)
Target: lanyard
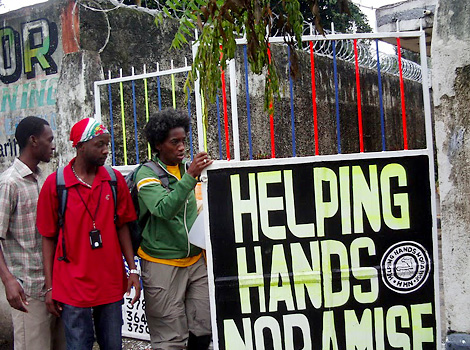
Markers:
point(93, 217)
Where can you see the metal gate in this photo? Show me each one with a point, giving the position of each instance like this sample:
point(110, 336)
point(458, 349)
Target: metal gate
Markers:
point(260, 261)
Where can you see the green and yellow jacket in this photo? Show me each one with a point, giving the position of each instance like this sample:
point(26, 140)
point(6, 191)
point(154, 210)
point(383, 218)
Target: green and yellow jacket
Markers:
point(172, 213)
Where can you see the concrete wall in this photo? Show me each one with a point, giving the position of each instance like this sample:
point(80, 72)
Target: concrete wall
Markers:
point(410, 15)
point(451, 87)
point(30, 71)
point(65, 47)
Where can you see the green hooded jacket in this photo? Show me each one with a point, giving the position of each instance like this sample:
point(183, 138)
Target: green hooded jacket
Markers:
point(165, 234)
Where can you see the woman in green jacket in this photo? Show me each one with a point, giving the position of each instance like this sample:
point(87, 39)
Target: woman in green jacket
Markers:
point(174, 272)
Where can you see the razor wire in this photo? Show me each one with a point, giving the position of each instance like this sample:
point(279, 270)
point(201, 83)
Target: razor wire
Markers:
point(367, 57)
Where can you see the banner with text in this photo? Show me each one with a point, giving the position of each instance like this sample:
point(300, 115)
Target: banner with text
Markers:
point(323, 255)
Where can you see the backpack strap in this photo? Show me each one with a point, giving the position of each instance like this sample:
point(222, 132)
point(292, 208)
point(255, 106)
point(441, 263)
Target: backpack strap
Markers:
point(62, 197)
point(61, 194)
point(113, 184)
point(161, 173)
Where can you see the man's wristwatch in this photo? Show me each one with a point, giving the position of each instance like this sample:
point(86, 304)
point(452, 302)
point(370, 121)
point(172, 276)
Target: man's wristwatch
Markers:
point(137, 272)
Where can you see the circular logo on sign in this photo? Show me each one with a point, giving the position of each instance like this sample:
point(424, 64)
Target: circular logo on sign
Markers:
point(405, 267)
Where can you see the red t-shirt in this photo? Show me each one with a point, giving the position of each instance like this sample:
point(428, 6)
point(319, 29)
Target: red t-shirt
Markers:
point(93, 276)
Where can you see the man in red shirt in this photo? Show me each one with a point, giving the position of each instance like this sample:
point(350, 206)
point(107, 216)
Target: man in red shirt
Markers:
point(83, 262)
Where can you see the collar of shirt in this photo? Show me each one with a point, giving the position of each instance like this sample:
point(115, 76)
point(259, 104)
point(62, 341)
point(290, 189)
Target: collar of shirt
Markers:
point(182, 165)
point(71, 180)
point(24, 170)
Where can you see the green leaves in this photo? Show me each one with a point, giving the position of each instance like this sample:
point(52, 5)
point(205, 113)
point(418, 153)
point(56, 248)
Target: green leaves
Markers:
point(220, 23)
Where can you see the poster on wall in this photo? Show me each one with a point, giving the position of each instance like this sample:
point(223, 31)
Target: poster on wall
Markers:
point(134, 321)
point(322, 254)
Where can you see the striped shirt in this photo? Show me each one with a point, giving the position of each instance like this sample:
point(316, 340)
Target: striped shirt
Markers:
point(21, 242)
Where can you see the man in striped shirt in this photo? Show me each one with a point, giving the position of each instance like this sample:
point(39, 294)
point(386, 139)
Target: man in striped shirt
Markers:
point(21, 268)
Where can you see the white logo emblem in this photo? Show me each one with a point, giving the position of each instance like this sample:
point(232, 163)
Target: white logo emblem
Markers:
point(405, 267)
point(107, 197)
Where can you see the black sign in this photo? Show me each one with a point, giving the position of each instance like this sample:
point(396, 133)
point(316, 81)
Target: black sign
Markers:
point(324, 255)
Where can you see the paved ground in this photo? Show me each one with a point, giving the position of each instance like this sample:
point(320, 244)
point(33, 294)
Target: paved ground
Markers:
point(131, 344)
point(134, 344)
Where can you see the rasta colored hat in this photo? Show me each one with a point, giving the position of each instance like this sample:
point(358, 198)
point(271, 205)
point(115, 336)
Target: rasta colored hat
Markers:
point(85, 130)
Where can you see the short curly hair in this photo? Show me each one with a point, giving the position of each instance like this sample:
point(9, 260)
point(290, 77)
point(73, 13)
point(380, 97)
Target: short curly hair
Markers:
point(160, 123)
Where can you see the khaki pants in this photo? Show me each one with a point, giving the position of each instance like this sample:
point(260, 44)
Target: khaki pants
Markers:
point(176, 303)
point(37, 329)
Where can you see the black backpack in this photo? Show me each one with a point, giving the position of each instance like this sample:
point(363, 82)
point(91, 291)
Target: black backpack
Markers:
point(135, 227)
point(62, 196)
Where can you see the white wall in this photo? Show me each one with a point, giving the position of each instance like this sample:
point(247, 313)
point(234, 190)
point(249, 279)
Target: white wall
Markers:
point(451, 76)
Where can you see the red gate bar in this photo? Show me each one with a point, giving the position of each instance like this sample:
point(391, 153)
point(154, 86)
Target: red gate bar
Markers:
point(314, 98)
point(359, 109)
point(402, 93)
